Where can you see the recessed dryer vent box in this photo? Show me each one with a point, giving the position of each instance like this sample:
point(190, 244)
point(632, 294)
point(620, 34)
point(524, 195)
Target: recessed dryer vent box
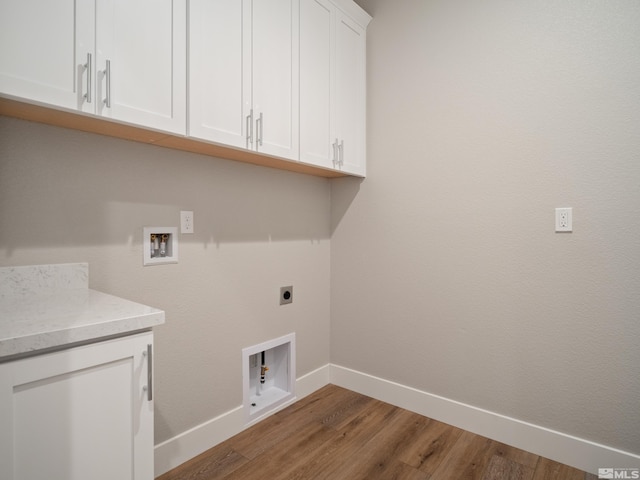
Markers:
point(160, 245)
point(266, 390)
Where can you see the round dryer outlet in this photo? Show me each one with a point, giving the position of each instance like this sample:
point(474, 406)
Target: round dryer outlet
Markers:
point(286, 295)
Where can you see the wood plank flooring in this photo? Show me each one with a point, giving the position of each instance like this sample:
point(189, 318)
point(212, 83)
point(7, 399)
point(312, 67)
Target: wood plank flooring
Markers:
point(337, 434)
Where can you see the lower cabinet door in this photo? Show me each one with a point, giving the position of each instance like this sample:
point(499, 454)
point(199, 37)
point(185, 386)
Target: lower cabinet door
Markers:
point(79, 414)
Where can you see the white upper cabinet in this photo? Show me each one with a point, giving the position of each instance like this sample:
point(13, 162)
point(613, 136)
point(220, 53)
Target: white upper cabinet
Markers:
point(317, 47)
point(243, 74)
point(333, 85)
point(219, 56)
point(284, 78)
point(43, 47)
point(350, 96)
point(141, 66)
point(123, 59)
point(275, 77)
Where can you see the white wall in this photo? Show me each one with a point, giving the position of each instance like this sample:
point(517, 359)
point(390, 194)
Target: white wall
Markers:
point(446, 272)
point(68, 196)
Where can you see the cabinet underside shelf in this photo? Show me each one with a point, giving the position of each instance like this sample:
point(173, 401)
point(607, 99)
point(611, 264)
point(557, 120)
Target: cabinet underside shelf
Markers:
point(87, 123)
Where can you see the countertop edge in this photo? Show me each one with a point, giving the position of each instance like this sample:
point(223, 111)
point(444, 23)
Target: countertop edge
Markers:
point(34, 344)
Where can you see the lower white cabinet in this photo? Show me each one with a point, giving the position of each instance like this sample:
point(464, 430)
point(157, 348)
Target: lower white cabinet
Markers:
point(81, 413)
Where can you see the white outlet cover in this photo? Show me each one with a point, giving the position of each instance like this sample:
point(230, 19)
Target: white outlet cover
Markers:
point(564, 219)
point(186, 221)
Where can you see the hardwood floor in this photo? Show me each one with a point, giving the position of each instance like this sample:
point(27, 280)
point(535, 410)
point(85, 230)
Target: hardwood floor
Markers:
point(337, 434)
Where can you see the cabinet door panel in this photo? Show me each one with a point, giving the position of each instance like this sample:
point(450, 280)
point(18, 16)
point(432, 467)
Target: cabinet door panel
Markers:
point(219, 70)
point(77, 414)
point(145, 42)
point(275, 75)
point(316, 67)
point(350, 93)
point(69, 434)
point(43, 45)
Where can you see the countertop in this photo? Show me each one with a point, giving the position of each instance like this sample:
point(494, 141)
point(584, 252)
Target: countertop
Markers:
point(48, 307)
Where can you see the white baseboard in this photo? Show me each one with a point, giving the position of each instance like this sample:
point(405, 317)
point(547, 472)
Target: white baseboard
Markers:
point(312, 381)
point(558, 446)
point(177, 450)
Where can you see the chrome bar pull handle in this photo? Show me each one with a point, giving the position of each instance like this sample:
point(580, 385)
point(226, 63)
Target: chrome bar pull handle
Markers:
point(334, 145)
point(259, 127)
point(249, 127)
point(341, 151)
point(107, 74)
point(88, 67)
point(149, 387)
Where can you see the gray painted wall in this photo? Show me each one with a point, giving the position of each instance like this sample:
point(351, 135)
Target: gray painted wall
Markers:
point(446, 273)
point(68, 196)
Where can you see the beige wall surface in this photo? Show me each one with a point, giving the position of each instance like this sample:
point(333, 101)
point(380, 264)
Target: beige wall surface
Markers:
point(446, 272)
point(68, 196)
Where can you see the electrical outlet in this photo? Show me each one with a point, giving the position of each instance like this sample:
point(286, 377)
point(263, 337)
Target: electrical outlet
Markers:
point(286, 295)
point(564, 219)
point(186, 222)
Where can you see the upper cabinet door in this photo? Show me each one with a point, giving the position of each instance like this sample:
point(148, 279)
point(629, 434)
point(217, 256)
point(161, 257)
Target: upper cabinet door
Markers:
point(275, 76)
point(124, 59)
point(350, 95)
point(46, 50)
point(333, 85)
point(220, 71)
point(141, 62)
point(317, 47)
point(243, 74)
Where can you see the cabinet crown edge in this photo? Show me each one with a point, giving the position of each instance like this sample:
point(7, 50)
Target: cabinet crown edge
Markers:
point(353, 10)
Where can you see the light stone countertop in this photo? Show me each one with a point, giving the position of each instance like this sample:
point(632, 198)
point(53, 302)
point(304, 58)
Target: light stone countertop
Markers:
point(45, 307)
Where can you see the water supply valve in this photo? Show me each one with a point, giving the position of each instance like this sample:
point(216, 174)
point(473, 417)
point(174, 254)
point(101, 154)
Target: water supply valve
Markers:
point(160, 245)
point(263, 371)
